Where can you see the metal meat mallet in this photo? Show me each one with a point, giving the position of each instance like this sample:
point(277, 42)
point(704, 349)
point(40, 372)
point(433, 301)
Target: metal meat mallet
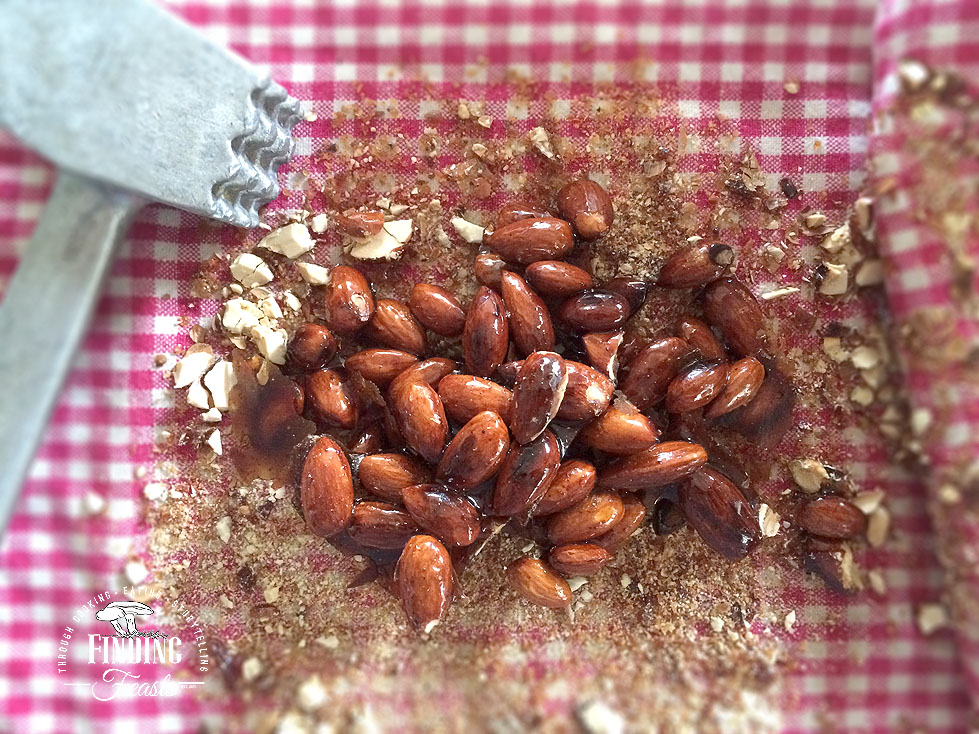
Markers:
point(133, 106)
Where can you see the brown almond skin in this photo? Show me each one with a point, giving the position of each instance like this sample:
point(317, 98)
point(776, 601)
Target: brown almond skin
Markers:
point(537, 394)
point(651, 371)
point(632, 290)
point(423, 580)
point(573, 481)
point(633, 515)
point(448, 515)
point(430, 370)
point(475, 453)
point(312, 346)
point(556, 279)
point(719, 512)
point(327, 488)
point(388, 475)
point(486, 335)
point(731, 307)
point(695, 265)
point(529, 240)
point(330, 398)
point(587, 395)
point(517, 211)
point(618, 432)
point(595, 310)
point(538, 583)
point(832, 517)
point(370, 440)
point(744, 379)
point(768, 416)
point(380, 525)
point(587, 206)
point(380, 366)
point(488, 268)
point(437, 309)
point(530, 322)
point(525, 475)
point(507, 372)
point(701, 337)
point(593, 516)
point(465, 396)
point(695, 387)
point(393, 326)
point(421, 418)
point(657, 466)
point(578, 559)
point(349, 301)
point(361, 224)
point(602, 349)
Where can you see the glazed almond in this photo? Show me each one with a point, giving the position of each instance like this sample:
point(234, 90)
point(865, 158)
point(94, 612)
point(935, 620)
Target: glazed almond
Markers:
point(464, 396)
point(525, 475)
point(420, 416)
point(475, 453)
point(651, 371)
point(488, 269)
point(380, 525)
point(370, 440)
point(380, 366)
point(579, 559)
point(731, 307)
point(517, 211)
point(587, 394)
point(423, 581)
point(539, 583)
point(593, 516)
point(437, 309)
point(447, 515)
point(595, 310)
point(632, 290)
point(602, 349)
point(695, 387)
point(537, 394)
point(695, 265)
point(744, 380)
point(719, 512)
point(388, 475)
point(657, 466)
point(832, 517)
point(701, 338)
point(618, 432)
point(557, 279)
point(393, 326)
point(485, 337)
point(312, 346)
point(573, 481)
point(633, 515)
point(430, 370)
point(349, 303)
point(587, 206)
point(331, 398)
point(327, 488)
point(529, 240)
point(361, 224)
point(530, 323)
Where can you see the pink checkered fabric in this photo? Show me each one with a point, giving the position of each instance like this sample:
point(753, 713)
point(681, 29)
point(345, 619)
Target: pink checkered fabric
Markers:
point(870, 673)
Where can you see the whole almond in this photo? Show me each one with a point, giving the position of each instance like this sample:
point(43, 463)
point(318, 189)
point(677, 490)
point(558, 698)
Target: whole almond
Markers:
point(423, 581)
point(557, 279)
point(437, 309)
point(602, 349)
point(507, 372)
point(719, 512)
point(349, 302)
point(828, 566)
point(448, 515)
point(832, 517)
point(587, 206)
point(573, 481)
point(430, 370)
point(695, 387)
point(537, 394)
point(595, 310)
point(393, 326)
point(418, 411)
point(632, 344)
point(578, 559)
point(369, 440)
point(380, 525)
point(651, 371)
point(538, 583)
point(593, 516)
point(633, 515)
point(361, 224)
point(475, 453)
point(464, 396)
point(311, 347)
point(380, 366)
point(529, 240)
point(327, 488)
point(695, 265)
point(388, 475)
point(729, 306)
point(618, 432)
point(488, 268)
point(701, 338)
point(517, 211)
point(332, 399)
point(768, 416)
point(657, 466)
point(632, 290)
point(485, 338)
point(530, 323)
point(744, 379)
point(525, 475)
point(587, 394)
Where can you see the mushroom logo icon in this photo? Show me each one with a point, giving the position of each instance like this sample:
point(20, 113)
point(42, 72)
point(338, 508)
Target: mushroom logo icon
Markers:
point(122, 616)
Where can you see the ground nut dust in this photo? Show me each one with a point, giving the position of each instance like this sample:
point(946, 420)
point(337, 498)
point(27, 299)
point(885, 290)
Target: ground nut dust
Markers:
point(669, 636)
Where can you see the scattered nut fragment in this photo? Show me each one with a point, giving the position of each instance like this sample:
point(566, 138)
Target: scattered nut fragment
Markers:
point(833, 346)
point(931, 618)
point(717, 623)
point(837, 239)
point(863, 209)
point(271, 343)
point(136, 572)
point(878, 526)
point(869, 501)
point(921, 420)
point(271, 594)
point(214, 441)
point(251, 669)
point(792, 87)
point(789, 621)
point(197, 396)
point(319, 223)
point(877, 582)
point(311, 695)
point(223, 528)
point(597, 717)
point(913, 74)
point(542, 141)
point(768, 521)
point(220, 381)
point(314, 274)
point(193, 365)
point(865, 358)
point(833, 279)
point(471, 233)
point(388, 244)
point(93, 503)
point(250, 270)
point(292, 240)
point(778, 293)
point(862, 395)
point(240, 316)
point(809, 474)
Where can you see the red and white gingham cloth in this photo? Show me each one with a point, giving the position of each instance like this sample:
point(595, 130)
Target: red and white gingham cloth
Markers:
point(873, 673)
